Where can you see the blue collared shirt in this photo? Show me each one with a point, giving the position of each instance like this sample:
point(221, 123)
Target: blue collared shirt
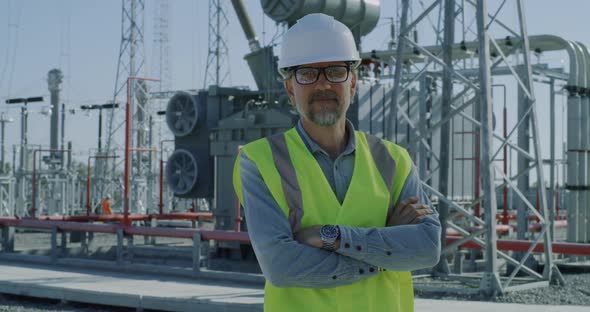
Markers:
point(288, 263)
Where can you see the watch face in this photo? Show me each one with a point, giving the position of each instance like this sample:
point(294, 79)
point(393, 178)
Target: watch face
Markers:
point(329, 232)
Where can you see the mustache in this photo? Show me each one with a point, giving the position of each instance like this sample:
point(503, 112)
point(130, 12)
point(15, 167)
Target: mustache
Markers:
point(324, 95)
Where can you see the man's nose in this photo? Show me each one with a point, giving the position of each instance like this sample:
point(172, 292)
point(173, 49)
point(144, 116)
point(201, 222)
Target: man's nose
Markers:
point(323, 82)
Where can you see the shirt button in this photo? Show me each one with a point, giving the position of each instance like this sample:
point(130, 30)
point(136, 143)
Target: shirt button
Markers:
point(371, 270)
point(389, 253)
point(347, 245)
point(334, 277)
point(361, 271)
point(359, 248)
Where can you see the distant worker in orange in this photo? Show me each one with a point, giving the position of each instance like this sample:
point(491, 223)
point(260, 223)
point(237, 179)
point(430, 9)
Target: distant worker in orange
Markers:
point(106, 205)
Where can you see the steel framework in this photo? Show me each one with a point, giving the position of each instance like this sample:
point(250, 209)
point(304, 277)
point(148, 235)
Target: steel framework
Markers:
point(131, 63)
point(161, 67)
point(466, 94)
point(217, 69)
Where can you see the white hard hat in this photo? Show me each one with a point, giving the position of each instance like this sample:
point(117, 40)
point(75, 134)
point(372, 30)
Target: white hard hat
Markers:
point(317, 38)
point(108, 195)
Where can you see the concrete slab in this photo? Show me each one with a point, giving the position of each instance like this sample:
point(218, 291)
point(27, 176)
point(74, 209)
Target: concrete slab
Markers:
point(153, 291)
point(140, 291)
point(432, 305)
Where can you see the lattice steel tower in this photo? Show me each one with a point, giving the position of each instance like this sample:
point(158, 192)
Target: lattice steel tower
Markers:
point(131, 64)
point(161, 68)
point(217, 70)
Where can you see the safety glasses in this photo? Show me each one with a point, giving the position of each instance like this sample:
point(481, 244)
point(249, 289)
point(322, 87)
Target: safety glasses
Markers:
point(309, 75)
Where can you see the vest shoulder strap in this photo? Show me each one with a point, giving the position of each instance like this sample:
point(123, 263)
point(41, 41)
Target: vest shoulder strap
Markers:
point(394, 164)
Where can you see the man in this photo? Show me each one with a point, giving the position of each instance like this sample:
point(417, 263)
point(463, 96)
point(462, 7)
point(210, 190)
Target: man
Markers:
point(337, 218)
point(106, 205)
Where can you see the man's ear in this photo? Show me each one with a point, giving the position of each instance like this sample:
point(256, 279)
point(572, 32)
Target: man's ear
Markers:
point(353, 84)
point(290, 92)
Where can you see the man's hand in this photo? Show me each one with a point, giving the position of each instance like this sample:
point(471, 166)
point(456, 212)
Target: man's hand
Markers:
point(409, 211)
point(311, 236)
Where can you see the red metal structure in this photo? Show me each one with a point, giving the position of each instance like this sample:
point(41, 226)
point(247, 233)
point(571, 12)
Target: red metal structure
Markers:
point(66, 226)
point(522, 245)
point(35, 223)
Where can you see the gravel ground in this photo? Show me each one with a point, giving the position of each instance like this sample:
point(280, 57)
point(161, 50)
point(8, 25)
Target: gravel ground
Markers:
point(576, 291)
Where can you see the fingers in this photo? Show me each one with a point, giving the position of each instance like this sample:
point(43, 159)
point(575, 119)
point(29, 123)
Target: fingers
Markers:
point(401, 207)
point(407, 201)
point(421, 213)
point(409, 211)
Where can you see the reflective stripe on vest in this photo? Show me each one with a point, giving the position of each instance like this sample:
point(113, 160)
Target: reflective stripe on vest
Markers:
point(281, 158)
point(299, 187)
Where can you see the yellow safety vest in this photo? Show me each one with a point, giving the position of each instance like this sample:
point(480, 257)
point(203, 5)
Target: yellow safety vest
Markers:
point(366, 204)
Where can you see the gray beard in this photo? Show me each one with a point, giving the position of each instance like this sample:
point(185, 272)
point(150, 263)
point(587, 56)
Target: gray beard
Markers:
point(324, 119)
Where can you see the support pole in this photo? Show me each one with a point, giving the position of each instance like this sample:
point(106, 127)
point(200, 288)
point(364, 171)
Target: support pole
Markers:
point(399, 62)
point(490, 284)
point(552, 197)
point(447, 96)
point(551, 272)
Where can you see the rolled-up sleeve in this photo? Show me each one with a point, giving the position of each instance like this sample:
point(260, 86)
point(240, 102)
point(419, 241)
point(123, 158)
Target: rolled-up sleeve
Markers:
point(284, 261)
point(398, 248)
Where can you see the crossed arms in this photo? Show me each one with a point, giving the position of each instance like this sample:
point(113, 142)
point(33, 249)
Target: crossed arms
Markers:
point(294, 260)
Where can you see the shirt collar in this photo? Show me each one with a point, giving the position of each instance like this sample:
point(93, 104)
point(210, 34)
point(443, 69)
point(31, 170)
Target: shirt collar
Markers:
point(313, 147)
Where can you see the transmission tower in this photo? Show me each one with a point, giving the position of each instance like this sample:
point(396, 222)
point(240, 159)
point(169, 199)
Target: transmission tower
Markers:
point(131, 63)
point(217, 70)
point(161, 47)
point(442, 94)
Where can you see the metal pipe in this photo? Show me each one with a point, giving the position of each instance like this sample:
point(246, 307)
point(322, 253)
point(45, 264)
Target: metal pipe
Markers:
point(505, 159)
point(584, 147)
point(161, 198)
point(574, 145)
point(464, 50)
point(445, 130)
point(133, 217)
point(161, 204)
point(54, 79)
point(128, 122)
point(63, 130)
point(586, 135)
point(552, 194)
point(486, 141)
point(400, 50)
point(3, 120)
point(127, 230)
point(523, 246)
point(88, 189)
point(238, 217)
point(246, 24)
point(477, 208)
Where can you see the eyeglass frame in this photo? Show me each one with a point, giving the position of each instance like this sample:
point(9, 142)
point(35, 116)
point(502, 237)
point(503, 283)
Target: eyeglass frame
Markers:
point(293, 72)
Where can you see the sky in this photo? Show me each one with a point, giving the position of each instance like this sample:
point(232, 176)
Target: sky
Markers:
point(82, 38)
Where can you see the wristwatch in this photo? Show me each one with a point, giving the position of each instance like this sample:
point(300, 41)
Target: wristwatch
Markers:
point(329, 234)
